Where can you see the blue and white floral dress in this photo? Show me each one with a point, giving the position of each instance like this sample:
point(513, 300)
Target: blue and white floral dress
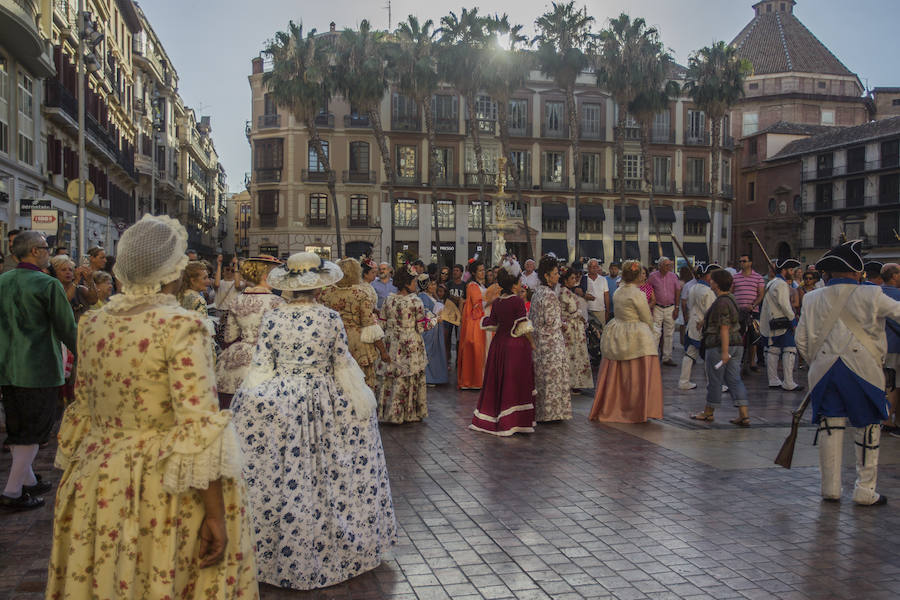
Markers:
point(319, 491)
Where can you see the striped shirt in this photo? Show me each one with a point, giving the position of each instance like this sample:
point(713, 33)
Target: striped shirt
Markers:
point(746, 287)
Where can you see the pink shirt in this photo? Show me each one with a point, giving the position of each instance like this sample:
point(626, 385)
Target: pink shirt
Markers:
point(664, 287)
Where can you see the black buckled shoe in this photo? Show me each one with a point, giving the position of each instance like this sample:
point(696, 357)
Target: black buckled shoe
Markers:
point(39, 488)
point(24, 502)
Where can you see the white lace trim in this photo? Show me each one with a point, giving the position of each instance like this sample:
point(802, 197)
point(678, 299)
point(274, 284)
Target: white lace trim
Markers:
point(371, 334)
point(222, 458)
point(352, 381)
point(129, 301)
point(521, 327)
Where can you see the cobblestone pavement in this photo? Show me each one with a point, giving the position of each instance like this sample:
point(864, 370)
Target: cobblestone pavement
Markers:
point(670, 509)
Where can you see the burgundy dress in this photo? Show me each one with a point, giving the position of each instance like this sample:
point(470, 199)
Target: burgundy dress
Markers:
point(506, 404)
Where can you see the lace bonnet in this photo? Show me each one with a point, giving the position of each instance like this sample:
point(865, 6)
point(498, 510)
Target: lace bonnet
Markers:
point(151, 253)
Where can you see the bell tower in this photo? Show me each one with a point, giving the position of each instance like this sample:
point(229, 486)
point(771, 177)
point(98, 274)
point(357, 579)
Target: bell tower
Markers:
point(767, 7)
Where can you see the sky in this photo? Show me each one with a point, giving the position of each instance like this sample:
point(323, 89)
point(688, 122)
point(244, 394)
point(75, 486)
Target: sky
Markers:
point(211, 42)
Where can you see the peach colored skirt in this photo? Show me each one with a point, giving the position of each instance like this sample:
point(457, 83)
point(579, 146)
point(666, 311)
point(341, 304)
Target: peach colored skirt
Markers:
point(628, 391)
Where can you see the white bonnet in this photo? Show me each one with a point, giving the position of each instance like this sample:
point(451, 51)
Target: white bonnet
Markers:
point(151, 253)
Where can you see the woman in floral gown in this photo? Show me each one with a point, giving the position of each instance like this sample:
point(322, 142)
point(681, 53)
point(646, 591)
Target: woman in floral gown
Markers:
point(575, 332)
point(242, 320)
point(506, 403)
point(551, 374)
point(319, 490)
point(401, 381)
point(356, 306)
point(151, 503)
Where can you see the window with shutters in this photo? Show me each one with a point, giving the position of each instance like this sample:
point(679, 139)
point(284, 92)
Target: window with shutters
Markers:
point(662, 172)
point(268, 208)
point(695, 176)
point(26, 119)
point(359, 210)
point(822, 232)
point(554, 119)
point(521, 160)
point(661, 130)
point(474, 218)
point(890, 154)
point(445, 109)
point(591, 120)
point(696, 127)
point(856, 159)
point(590, 170)
point(518, 116)
point(4, 106)
point(554, 167)
point(888, 224)
point(269, 158)
point(318, 210)
point(856, 190)
point(889, 189)
point(404, 113)
point(359, 157)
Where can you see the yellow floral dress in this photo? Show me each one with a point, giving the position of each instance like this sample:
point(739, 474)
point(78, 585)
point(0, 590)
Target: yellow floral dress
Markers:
point(357, 310)
point(143, 435)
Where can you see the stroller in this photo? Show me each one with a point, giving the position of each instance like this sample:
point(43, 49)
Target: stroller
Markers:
point(594, 331)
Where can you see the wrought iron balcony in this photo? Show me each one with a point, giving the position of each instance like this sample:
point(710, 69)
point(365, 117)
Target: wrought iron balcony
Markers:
point(446, 125)
point(315, 176)
point(407, 179)
point(325, 120)
point(696, 139)
point(361, 121)
point(405, 123)
point(268, 121)
point(597, 186)
point(472, 180)
point(593, 132)
point(358, 177)
point(561, 132)
point(520, 130)
point(554, 183)
point(662, 136)
point(631, 185)
point(358, 221)
point(696, 188)
point(268, 175)
point(317, 221)
point(445, 181)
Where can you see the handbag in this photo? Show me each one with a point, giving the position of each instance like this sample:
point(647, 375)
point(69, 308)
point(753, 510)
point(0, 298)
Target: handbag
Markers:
point(781, 323)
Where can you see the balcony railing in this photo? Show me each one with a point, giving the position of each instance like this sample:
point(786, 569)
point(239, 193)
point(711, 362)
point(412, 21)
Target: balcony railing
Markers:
point(890, 161)
point(662, 136)
point(631, 185)
point(593, 132)
point(446, 125)
point(632, 134)
point(446, 181)
point(408, 179)
point(856, 167)
point(485, 126)
point(358, 221)
point(325, 120)
point(360, 121)
point(823, 172)
point(317, 221)
point(358, 177)
point(268, 175)
point(554, 183)
point(665, 188)
point(520, 130)
point(561, 132)
point(472, 180)
point(314, 176)
point(696, 188)
point(889, 198)
point(268, 121)
point(598, 186)
point(728, 191)
point(696, 139)
point(57, 96)
point(405, 123)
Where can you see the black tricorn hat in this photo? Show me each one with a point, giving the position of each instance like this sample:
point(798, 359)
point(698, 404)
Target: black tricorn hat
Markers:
point(842, 259)
point(706, 269)
point(786, 263)
point(873, 268)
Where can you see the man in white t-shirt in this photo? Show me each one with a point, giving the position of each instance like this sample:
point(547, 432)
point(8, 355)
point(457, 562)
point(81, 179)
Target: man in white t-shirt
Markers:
point(529, 276)
point(596, 292)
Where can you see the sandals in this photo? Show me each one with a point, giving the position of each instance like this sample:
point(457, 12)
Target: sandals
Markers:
point(741, 421)
point(703, 416)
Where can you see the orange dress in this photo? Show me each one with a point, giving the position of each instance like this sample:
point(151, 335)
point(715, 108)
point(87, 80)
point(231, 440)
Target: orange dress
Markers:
point(472, 340)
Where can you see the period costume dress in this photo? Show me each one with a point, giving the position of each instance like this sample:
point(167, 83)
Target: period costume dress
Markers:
point(193, 300)
point(245, 312)
point(472, 348)
point(435, 346)
point(841, 337)
point(356, 307)
point(144, 432)
point(506, 403)
point(780, 343)
point(575, 332)
point(551, 375)
point(402, 391)
point(319, 490)
point(629, 382)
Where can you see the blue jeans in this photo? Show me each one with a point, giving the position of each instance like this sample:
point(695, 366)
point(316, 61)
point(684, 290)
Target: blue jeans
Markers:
point(729, 374)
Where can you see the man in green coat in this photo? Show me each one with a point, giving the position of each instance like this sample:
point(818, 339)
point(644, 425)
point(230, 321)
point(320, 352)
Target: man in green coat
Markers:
point(35, 316)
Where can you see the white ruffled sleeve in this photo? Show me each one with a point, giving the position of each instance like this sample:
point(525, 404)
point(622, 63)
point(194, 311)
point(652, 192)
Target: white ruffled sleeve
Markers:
point(371, 334)
point(351, 379)
point(522, 326)
point(202, 445)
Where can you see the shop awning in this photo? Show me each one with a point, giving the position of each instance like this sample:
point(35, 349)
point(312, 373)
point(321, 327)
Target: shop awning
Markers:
point(696, 214)
point(558, 247)
point(591, 249)
point(632, 213)
point(664, 214)
point(592, 211)
point(698, 250)
point(632, 251)
point(555, 210)
point(668, 250)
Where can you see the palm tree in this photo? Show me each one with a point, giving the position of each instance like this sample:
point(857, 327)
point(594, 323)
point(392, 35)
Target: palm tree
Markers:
point(565, 45)
point(362, 80)
point(620, 71)
point(715, 82)
point(461, 49)
point(507, 70)
point(302, 79)
point(653, 97)
point(415, 65)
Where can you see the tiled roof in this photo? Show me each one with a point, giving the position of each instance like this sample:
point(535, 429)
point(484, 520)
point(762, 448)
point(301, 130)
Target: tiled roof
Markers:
point(795, 129)
point(843, 136)
point(778, 42)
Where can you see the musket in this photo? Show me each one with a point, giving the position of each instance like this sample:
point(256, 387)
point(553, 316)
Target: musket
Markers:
point(786, 454)
point(765, 254)
point(684, 256)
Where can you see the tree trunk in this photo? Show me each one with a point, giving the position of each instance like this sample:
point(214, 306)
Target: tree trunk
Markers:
point(620, 171)
point(648, 178)
point(714, 181)
point(513, 170)
point(323, 158)
point(432, 170)
point(479, 164)
point(381, 139)
point(574, 141)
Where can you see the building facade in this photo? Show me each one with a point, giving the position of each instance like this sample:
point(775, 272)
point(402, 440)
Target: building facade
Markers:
point(26, 59)
point(293, 212)
point(798, 87)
